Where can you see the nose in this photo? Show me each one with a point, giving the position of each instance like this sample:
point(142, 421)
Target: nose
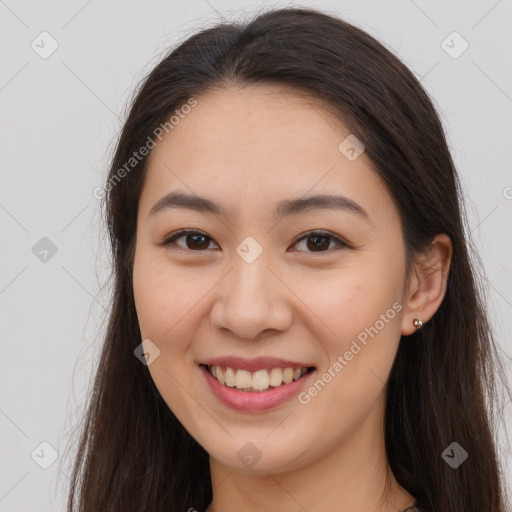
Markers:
point(251, 301)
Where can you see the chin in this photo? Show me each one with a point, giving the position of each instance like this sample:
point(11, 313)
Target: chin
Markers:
point(259, 456)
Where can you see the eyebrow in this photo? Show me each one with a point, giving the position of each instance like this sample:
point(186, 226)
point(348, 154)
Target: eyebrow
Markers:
point(284, 208)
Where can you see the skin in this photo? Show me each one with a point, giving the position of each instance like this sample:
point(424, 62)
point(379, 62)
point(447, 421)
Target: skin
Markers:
point(247, 149)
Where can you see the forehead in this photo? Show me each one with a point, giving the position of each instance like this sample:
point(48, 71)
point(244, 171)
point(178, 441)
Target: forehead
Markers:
point(257, 145)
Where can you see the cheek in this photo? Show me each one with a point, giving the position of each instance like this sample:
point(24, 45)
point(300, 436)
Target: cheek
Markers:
point(164, 298)
point(165, 310)
point(350, 299)
point(359, 309)
point(171, 301)
point(154, 301)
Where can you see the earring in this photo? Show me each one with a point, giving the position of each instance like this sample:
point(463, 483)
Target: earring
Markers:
point(417, 322)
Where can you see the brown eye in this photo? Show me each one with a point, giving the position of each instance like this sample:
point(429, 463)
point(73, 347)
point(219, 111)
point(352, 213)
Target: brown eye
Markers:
point(194, 240)
point(319, 241)
point(316, 241)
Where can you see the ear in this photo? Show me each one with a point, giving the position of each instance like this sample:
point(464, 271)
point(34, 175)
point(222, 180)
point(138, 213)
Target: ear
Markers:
point(427, 288)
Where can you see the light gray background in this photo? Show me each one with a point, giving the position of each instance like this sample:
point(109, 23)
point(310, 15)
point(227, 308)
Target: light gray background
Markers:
point(59, 117)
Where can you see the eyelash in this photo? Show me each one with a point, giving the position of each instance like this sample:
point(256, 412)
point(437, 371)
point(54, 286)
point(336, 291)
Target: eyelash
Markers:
point(310, 234)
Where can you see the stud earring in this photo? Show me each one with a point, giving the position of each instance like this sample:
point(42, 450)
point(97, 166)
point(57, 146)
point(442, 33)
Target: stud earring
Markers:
point(417, 322)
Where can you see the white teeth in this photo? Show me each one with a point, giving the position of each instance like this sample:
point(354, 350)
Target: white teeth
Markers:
point(243, 379)
point(276, 377)
point(219, 374)
point(229, 375)
point(260, 380)
point(287, 375)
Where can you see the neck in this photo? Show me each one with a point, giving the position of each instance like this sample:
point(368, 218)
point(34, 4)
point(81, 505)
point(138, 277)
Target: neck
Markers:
point(354, 475)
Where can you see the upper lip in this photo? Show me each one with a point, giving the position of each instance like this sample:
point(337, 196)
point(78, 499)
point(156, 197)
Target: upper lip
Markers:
point(254, 364)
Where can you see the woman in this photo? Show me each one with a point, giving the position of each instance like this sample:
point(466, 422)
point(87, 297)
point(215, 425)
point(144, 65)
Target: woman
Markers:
point(296, 322)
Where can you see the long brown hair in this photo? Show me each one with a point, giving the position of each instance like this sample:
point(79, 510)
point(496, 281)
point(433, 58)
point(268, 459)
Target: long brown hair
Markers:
point(133, 454)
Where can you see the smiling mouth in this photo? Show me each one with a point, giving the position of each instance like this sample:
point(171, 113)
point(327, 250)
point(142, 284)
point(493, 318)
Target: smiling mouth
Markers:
point(259, 380)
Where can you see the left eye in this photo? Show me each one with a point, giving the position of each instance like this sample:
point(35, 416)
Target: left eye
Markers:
point(316, 241)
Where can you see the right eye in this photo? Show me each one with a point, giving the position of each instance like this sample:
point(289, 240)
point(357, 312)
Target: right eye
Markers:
point(194, 240)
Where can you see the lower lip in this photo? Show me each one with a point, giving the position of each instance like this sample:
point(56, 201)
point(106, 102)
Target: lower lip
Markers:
point(254, 401)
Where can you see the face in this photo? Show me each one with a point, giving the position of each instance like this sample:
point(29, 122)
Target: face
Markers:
point(270, 285)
